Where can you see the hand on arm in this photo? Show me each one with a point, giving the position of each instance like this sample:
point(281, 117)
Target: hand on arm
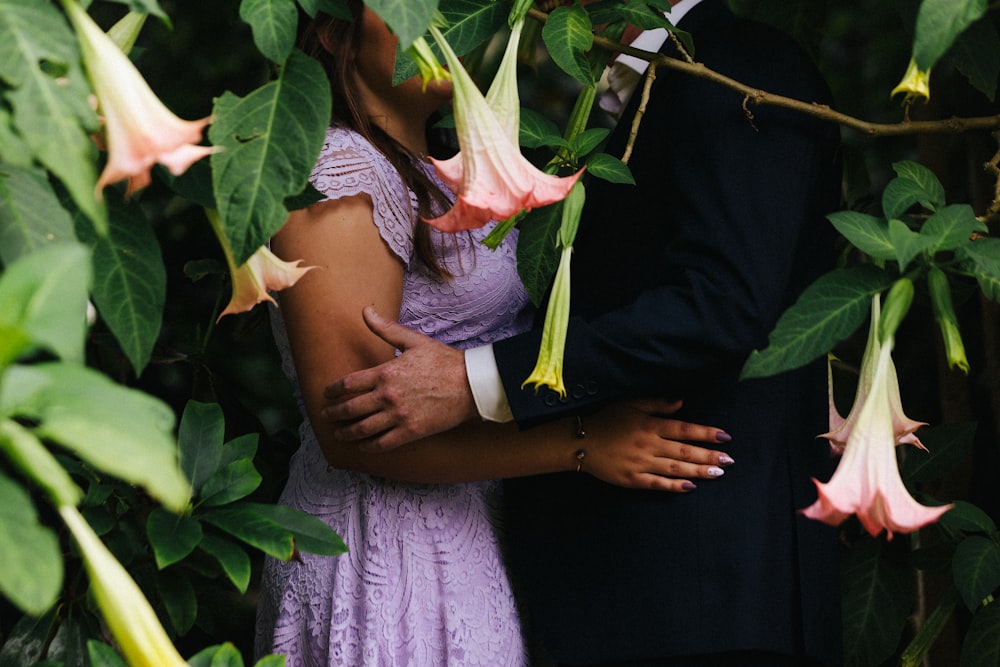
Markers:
point(421, 392)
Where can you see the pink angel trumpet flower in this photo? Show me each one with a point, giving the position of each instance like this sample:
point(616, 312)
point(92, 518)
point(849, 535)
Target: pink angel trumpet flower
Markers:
point(904, 428)
point(255, 279)
point(491, 178)
point(867, 481)
point(139, 130)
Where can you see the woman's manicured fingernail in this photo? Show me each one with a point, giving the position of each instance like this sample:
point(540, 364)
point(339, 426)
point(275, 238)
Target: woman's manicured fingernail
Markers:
point(726, 460)
point(722, 436)
point(715, 471)
point(689, 486)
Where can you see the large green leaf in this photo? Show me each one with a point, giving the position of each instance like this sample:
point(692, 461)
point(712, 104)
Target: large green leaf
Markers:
point(469, 23)
point(975, 568)
point(130, 281)
point(878, 597)
point(408, 20)
point(948, 445)
point(977, 56)
point(250, 526)
point(177, 593)
point(200, 439)
point(983, 256)
point(867, 233)
point(951, 226)
point(26, 641)
point(331, 7)
point(233, 482)
point(102, 655)
point(537, 253)
point(172, 536)
point(907, 243)
point(231, 557)
point(967, 518)
point(31, 216)
point(32, 572)
point(44, 295)
point(610, 168)
point(270, 141)
point(914, 184)
point(273, 23)
point(48, 90)
point(119, 430)
point(939, 23)
point(311, 534)
point(827, 312)
point(568, 36)
point(981, 647)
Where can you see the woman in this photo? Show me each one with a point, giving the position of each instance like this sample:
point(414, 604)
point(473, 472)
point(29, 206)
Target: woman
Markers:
point(424, 582)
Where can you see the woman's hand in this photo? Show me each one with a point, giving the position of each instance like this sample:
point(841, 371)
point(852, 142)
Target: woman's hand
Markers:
point(635, 446)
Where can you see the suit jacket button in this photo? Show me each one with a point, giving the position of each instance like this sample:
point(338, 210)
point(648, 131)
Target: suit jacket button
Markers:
point(579, 391)
point(592, 388)
point(551, 398)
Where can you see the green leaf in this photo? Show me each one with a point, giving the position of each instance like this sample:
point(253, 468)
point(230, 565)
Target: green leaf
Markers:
point(271, 139)
point(984, 257)
point(122, 431)
point(610, 168)
point(906, 242)
point(827, 312)
point(975, 568)
point(32, 572)
point(878, 597)
point(102, 655)
point(273, 23)
point(241, 447)
point(951, 227)
point(271, 661)
point(470, 23)
point(939, 23)
point(48, 94)
point(172, 536)
point(178, 596)
point(588, 140)
point(408, 20)
point(200, 441)
point(234, 481)
point(867, 233)
point(641, 15)
point(948, 446)
point(977, 56)
point(31, 216)
point(44, 295)
point(130, 281)
point(967, 518)
point(145, 7)
point(256, 530)
point(537, 130)
point(568, 36)
point(311, 534)
point(981, 647)
point(914, 184)
point(336, 8)
point(28, 638)
point(537, 253)
point(231, 557)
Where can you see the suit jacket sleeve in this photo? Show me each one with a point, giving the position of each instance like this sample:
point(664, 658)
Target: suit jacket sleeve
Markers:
point(678, 278)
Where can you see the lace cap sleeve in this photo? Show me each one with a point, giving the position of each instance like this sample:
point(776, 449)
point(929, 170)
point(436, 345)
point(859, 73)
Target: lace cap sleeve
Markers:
point(348, 165)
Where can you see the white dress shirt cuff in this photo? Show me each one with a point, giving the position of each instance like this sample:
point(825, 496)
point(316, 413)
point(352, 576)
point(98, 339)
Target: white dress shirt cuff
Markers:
point(487, 388)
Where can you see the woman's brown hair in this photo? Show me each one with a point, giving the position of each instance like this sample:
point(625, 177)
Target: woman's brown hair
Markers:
point(333, 42)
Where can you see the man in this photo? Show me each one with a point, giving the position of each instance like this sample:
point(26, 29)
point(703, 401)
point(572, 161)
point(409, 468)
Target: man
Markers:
point(676, 280)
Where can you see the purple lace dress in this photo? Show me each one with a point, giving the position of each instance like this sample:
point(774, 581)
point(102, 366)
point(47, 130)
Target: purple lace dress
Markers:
point(424, 582)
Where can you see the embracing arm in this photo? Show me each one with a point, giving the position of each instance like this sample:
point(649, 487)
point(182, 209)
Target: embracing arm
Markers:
point(329, 338)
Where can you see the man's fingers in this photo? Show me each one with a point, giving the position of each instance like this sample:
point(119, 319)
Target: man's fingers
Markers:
point(391, 331)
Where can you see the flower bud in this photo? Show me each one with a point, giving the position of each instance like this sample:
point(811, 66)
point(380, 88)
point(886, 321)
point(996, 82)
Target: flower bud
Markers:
point(944, 314)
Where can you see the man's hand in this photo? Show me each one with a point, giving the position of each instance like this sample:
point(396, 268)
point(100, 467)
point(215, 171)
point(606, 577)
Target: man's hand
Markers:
point(421, 392)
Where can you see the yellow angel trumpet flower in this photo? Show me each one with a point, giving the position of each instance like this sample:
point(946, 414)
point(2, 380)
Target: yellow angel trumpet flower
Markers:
point(916, 83)
point(140, 637)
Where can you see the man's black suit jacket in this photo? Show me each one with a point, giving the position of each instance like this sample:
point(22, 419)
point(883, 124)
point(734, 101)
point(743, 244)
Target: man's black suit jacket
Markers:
point(675, 281)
